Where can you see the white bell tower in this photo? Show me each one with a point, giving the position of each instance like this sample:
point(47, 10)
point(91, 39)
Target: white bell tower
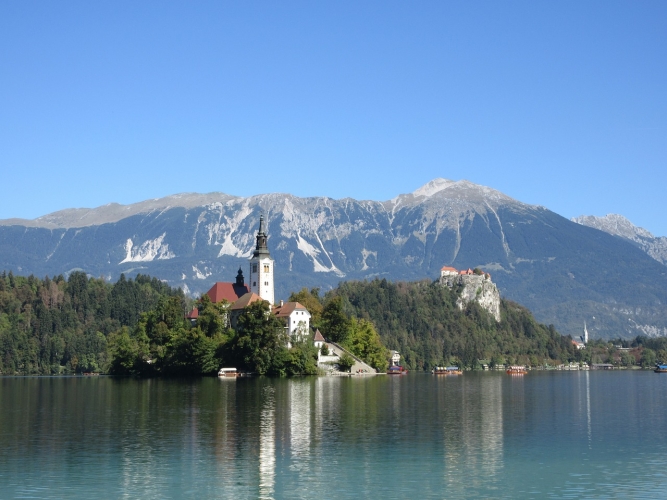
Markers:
point(261, 267)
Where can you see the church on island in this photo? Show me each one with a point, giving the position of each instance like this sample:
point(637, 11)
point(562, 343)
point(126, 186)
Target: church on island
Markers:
point(240, 295)
point(295, 316)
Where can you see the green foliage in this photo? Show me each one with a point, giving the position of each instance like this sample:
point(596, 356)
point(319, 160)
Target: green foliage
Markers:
point(422, 321)
point(166, 344)
point(364, 342)
point(302, 359)
point(345, 363)
point(260, 343)
point(334, 320)
point(59, 325)
point(310, 300)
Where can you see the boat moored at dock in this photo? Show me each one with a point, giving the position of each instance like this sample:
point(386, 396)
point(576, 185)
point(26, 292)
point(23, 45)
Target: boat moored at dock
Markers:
point(228, 373)
point(517, 370)
point(446, 370)
point(397, 370)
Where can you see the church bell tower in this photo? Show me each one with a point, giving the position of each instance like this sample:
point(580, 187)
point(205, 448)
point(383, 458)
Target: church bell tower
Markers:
point(261, 267)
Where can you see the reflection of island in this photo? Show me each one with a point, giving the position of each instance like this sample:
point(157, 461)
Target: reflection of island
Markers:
point(299, 418)
point(473, 434)
point(267, 444)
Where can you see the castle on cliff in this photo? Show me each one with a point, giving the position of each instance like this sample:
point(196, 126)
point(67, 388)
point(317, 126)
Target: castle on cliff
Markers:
point(476, 286)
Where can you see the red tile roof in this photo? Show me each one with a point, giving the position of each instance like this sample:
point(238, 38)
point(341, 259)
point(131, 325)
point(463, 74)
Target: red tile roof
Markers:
point(194, 314)
point(245, 301)
point(227, 291)
point(288, 308)
point(318, 336)
point(448, 268)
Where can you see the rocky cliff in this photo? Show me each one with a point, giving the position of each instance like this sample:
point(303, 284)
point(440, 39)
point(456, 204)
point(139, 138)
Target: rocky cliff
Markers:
point(475, 288)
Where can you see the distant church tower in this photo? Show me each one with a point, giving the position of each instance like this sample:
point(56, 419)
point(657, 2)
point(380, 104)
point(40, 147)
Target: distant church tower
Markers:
point(261, 267)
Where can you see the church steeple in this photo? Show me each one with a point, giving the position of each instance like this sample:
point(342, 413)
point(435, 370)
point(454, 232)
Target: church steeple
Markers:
point(261, 247)
point(240, 281)
point(261, 266)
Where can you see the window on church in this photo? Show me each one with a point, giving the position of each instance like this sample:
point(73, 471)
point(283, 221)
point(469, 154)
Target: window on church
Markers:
point(254, 268)
point(254, 283)
point(266, 268)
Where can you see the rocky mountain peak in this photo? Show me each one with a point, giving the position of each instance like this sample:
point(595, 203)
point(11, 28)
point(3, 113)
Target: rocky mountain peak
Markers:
point(617, 225)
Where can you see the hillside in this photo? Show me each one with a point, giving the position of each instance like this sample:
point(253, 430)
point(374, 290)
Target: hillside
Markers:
point(564, 272)
point(60, 325)
point(422, 321)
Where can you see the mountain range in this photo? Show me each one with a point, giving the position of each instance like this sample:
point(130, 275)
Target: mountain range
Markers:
point(566, 272)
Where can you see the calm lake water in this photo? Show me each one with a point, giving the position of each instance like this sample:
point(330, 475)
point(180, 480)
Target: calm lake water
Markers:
point(480, 435)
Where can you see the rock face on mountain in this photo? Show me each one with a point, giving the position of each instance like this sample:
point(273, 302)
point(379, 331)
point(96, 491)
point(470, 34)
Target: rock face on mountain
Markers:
point(475, 288)
point(566, 273)
point(618, 225)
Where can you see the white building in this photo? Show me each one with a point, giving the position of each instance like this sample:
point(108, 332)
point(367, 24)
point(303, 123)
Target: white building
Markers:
point(395, 358)
point(296, 318)
point(448, 271)
point(261, 267)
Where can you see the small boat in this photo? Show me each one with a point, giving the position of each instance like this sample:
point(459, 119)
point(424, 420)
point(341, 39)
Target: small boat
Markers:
point(228, 373)
point(449, 370)
point(660, 369)
point(517, 370)
point(396, 370)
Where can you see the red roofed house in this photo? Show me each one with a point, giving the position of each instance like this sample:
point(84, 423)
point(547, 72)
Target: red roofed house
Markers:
point(240, 304)
point(192, 316)
point(318, 340)
point(469, 271)
point(296, 317)
point(448, 271)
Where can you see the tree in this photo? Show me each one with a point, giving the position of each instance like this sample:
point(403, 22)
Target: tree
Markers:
point(311, 301)
point(213, 318)
point(345, 363)
point(260, 340)
point(365, 343)
point(648, 358)
point(335, 322)
point(191, 352)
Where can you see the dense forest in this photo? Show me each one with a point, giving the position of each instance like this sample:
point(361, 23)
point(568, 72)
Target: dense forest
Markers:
point(422, 322)
point(59, 325)
point(138, 327)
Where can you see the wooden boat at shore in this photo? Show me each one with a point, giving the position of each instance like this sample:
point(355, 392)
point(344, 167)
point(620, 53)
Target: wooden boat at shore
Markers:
point(397, 370)
point(660, 369)
point(228, 373)
point(448, 370)
point(517, 370)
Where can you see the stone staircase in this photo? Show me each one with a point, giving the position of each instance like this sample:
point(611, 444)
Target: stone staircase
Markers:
point(336, 351)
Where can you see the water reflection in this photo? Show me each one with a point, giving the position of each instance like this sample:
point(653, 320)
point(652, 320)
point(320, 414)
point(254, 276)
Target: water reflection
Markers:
point(267, 444)
point(473, 435)
point(478, 435)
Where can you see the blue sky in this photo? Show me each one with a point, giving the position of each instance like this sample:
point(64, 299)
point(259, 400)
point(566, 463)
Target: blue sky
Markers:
point(561, 104)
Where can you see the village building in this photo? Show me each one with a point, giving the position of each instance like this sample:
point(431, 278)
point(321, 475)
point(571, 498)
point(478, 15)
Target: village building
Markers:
point(296, 317)
point(448, 271)
point(395, 358)
point(318, 340)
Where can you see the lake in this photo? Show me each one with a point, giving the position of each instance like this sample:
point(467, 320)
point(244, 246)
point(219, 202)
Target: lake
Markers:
point(479, 435)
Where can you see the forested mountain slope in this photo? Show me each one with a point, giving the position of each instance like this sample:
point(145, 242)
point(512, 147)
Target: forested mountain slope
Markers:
point(61, 325)
point(422, 322)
